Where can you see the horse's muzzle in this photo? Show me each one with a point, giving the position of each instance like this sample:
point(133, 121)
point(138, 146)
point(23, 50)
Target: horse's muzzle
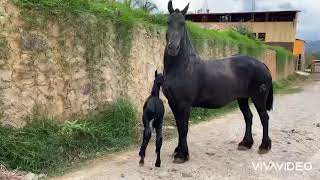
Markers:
point(173, 50)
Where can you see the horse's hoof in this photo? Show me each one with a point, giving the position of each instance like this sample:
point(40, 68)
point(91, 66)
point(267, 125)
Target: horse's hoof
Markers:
point(242, 148)
point(265, 147)
point(179, 161)
point(263, 151)
point(245, 145)
point(158, 164)
point(174, 154)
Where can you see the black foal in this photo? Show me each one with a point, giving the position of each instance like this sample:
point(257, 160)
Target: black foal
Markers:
point(153, 111)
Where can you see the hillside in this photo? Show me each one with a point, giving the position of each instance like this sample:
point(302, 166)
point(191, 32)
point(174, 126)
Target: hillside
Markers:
point(313, 46)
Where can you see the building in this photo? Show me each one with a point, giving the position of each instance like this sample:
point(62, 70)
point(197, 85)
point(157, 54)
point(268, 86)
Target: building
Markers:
point(299, 52)
point(277, 28)
point(315, 67)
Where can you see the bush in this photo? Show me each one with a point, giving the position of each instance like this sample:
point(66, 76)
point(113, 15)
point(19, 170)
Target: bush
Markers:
point(45, 146)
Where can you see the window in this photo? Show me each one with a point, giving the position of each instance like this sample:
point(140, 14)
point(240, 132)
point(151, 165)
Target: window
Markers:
point(262, 36)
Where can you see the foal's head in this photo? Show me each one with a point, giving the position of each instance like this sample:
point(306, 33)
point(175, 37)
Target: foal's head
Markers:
point(158, 81)
point(176, 29)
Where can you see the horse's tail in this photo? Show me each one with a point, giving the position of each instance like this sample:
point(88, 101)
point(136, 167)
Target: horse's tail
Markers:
point(270, 99)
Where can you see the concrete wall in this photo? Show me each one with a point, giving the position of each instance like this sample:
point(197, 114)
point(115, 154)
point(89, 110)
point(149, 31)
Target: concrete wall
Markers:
point(275, 31)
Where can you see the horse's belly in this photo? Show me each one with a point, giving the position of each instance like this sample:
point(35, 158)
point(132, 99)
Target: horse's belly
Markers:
point(211, 103)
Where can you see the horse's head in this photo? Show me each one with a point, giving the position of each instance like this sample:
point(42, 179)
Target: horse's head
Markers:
point(158, 79)
point(176, 29)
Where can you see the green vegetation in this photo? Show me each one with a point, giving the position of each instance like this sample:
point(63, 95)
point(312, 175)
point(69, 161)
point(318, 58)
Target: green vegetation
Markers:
point(310, 57)
point(45, 146)
point(4, 50)
point(219, 39)
point(291, 84)
point(284, 57)
point(201, 114)
point(124, 17)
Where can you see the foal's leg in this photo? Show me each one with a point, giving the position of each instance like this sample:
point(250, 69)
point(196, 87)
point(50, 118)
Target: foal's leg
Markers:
point(260, 104)
point(146, 139)
point(181, 115)
point(247, 141)
point(158, 144)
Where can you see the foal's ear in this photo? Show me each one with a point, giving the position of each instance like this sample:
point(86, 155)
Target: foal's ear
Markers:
point(170, 7)
point(185, 10)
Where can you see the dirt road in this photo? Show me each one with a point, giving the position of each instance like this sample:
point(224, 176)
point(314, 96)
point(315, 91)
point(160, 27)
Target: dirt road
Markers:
point(295, 135)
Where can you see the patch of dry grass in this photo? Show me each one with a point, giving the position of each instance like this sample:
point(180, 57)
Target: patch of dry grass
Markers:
point(10, 175)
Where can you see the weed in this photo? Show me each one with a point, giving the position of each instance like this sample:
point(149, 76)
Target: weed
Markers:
point(45, 146)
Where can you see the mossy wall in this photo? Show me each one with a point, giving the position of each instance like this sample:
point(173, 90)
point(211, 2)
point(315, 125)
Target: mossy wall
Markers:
point(67, 64)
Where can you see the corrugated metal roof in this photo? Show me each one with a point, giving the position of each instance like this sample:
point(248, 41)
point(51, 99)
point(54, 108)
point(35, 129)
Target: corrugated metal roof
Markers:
point(246, 12)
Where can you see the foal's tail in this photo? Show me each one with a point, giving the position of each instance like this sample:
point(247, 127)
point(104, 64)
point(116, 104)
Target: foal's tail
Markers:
point(270, 99)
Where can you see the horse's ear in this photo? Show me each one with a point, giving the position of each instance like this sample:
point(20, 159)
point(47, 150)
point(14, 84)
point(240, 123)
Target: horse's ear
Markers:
point(185, 10)
point(170, 7)
point(156, 73)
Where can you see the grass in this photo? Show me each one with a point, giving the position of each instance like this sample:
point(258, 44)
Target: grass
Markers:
point(291, 84)
point(284, 57)
point(4, 50)
point(45, 146)
point(201, 114)
point(219, 39)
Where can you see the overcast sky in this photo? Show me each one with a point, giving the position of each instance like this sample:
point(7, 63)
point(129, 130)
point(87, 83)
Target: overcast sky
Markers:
point(309, 22)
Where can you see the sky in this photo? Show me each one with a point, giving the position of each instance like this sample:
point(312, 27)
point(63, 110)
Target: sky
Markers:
point(308, 27)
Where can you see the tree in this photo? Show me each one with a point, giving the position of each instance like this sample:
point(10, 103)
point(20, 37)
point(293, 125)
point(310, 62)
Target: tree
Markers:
point(244, 30)
point(146, 5)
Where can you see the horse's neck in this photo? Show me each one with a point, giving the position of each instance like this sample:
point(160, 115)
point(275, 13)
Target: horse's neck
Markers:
point(155, 91)
point(183, 58)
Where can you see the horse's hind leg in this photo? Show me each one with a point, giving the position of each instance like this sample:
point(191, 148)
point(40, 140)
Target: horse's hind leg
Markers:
point(158, 144)
point(146, 139)
point(247, 141)
point(260, 104)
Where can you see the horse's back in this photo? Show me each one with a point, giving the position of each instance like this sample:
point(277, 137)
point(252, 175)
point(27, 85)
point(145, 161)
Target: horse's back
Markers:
point(239, 66)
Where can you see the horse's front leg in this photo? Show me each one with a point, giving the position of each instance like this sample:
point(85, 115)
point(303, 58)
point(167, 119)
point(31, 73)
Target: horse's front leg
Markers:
point(181, 114)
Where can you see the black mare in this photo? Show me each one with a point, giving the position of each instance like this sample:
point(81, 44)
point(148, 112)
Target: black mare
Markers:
point(190, 82)
point(153, 111)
